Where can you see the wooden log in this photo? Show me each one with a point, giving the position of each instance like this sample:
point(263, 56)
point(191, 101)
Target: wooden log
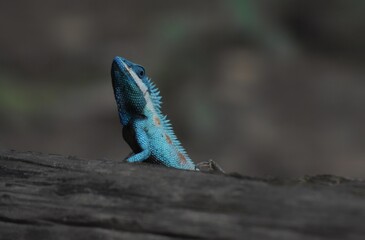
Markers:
point(47, 196)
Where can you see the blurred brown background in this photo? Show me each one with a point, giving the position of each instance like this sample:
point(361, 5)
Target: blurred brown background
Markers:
point(262, 87)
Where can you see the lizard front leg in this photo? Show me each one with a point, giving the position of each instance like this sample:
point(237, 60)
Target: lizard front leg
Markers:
point(142, 140)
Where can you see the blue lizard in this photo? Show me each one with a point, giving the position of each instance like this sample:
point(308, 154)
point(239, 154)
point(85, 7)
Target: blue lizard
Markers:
point(147, 131)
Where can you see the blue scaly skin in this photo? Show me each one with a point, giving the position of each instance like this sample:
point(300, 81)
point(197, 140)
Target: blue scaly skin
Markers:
point(146, 130)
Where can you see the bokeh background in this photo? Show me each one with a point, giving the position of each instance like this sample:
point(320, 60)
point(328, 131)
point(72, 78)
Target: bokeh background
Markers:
point(262, 87)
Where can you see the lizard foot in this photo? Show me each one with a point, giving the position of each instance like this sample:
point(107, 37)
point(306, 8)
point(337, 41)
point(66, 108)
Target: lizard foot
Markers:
point(209, 167)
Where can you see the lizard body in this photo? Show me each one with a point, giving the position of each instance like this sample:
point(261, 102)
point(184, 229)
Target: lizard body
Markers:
point(147, 131)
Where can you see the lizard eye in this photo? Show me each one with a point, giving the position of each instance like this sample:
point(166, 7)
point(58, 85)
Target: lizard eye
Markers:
point(140, 72)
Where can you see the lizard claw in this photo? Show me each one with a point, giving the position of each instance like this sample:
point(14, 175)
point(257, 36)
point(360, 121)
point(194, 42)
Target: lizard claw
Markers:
point(124, 160)
point(209, 167)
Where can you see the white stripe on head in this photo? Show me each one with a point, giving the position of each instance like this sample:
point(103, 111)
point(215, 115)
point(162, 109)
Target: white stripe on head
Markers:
point(136, 79)
point(142, 87)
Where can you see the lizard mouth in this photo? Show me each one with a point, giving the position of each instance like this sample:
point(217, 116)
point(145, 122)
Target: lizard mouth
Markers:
point(121, 66)
point(126, 69)
point(122, 73)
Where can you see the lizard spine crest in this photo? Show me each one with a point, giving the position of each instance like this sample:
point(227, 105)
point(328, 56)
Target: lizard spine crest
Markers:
point(156, 100)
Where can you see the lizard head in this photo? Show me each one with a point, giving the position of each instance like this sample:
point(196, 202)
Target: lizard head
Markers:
point(129, 84)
